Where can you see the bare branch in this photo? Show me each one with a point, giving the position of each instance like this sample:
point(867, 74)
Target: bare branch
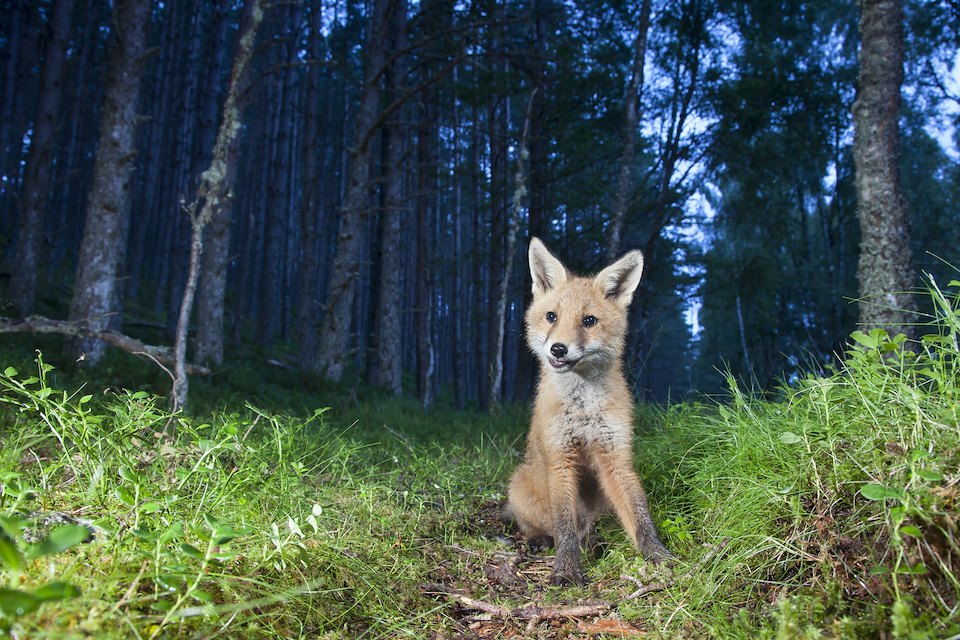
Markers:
point(81, 329)
point(530, 611)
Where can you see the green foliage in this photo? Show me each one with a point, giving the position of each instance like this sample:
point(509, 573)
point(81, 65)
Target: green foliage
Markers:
point(830, 513)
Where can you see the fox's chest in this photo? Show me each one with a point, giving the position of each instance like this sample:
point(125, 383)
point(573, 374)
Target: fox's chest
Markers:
point(574, 412)
point(574, 428)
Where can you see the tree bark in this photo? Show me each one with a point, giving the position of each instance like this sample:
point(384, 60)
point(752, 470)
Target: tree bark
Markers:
point(631, 116)
point(885, 272)
point(519, 193)
point(212, 284)
point(388, 357)
point(104, 243)
point(311, 204)
point(271, 309)
point(214, 189)
point(36, 180)
point(335, 336)
point(424, 330)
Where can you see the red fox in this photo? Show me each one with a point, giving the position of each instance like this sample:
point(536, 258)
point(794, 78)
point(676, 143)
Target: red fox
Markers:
point(579, 458)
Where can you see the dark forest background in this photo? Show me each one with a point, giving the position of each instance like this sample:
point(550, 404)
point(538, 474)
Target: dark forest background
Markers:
point(394, 158)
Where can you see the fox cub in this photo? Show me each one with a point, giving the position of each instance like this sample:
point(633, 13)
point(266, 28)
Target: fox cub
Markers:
point(579, 459)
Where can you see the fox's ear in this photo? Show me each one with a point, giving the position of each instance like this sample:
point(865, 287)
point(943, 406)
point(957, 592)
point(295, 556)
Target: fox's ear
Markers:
point(620, 279)
point(546, 271)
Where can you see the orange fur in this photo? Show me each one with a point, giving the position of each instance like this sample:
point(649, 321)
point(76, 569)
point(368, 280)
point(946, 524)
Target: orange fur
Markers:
point(579, 458)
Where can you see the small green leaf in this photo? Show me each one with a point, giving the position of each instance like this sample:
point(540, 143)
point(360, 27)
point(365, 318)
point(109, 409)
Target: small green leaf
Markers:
point(918, 569)
point(225, 534)
point(15, 603)
point(151, 507)
point(203, 596)
point(59, 540)
point(788, 437)
point(173, 531)
point(191, 551)
point(146, 534)
point(868, 341)
point(294, 527)
point(930, 476)
point(56, 591)
point(879, 492)
point(9, 554)
point(170, 582)
point(123, 495)
point(129, 474)
point(911, 530)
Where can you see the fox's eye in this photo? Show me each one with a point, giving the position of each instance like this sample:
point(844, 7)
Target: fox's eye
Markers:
point(589, 321)
point(551, 317)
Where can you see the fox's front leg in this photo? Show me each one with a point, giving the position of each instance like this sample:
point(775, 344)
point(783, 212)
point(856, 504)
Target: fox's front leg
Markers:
point(563, 503)
point(625, 492)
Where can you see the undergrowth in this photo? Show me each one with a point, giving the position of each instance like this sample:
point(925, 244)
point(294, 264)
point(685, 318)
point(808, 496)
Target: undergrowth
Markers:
point(830, 513)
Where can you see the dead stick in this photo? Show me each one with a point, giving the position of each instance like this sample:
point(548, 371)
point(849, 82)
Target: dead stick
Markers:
point(529, 612)
point(41, 324)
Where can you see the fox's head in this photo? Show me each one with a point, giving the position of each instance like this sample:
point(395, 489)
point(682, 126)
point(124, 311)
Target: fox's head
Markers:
point(575, 323)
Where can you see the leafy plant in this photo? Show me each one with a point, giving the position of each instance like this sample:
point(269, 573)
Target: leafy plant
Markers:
point(16, 557)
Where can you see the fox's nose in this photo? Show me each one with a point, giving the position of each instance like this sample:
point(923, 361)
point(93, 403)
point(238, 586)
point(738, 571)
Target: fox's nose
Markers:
point(558, 350)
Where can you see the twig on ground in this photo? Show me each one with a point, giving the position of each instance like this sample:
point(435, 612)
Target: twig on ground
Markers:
point(644, 588)
point(530, 612)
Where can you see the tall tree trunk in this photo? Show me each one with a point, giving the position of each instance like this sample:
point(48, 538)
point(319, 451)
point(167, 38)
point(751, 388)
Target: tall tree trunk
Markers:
point(497, 116)
point(631, 116)
point(335, 335)
point(214, 260)
point(104, 242)
point(214, 189)
point(311, 205)
point(36, 181)
point(539, 144)
point(388, 357)
point(503, 286)
point(271, 275)
point(425, 172)
point(885, 272)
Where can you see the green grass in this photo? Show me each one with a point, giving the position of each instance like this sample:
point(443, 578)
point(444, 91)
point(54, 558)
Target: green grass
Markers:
point(829, 513)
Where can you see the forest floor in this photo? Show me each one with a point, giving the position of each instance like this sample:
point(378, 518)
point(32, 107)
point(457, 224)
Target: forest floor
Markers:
point(829, 511)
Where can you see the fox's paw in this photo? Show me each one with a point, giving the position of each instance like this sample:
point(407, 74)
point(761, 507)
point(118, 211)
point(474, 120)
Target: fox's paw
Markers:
point(656, 553)
point(567, 574)
point(567, 579)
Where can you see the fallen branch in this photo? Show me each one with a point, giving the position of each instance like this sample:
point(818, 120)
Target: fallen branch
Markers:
point(647, 588)
point(530, 611)
point(41, 324)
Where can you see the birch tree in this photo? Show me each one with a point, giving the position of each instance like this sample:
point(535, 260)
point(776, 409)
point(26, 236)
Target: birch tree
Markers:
point(214, 189)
